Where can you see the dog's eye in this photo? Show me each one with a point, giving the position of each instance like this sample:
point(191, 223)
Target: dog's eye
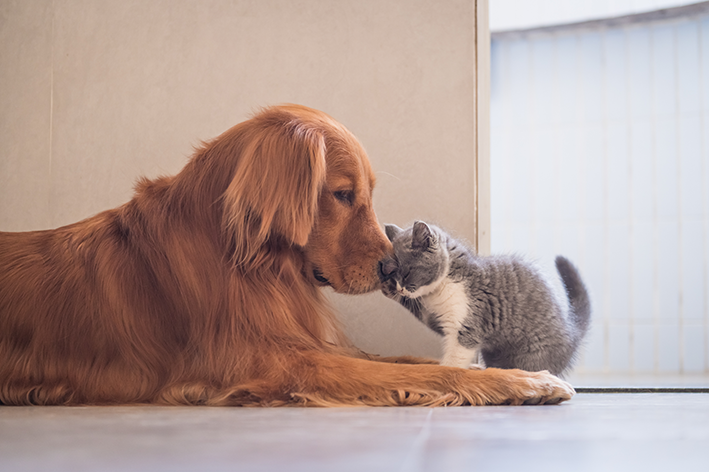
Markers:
point(345, 196)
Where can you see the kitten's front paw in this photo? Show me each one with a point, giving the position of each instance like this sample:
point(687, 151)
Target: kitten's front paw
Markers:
point(476, 367)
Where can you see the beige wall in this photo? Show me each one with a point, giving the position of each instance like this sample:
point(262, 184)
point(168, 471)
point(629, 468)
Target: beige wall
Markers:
point(94, 94)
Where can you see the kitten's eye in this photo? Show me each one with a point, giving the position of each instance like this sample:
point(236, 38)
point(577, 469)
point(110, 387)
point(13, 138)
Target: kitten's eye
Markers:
point(345, 196)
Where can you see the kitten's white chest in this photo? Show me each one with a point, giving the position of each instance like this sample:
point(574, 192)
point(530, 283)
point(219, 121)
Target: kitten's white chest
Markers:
point(448, 307)
point(448, 303)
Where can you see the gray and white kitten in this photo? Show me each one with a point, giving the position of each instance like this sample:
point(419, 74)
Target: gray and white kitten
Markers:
point(499, 306)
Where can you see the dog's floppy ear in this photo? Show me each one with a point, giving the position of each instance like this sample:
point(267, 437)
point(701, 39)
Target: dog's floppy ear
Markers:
point(275, 188)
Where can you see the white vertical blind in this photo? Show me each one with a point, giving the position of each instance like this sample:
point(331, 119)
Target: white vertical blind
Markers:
point(600, 152)
point(516, 14)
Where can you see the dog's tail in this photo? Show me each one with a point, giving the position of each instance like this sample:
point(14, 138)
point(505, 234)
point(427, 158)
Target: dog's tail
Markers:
point(579, 302)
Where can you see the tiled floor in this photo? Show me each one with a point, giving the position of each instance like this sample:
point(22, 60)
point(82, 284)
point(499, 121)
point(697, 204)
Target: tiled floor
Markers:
point(593, 432)
point(639, 380)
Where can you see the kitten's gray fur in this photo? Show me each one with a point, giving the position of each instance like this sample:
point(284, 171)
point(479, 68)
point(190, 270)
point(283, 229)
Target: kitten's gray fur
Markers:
point(500, 306)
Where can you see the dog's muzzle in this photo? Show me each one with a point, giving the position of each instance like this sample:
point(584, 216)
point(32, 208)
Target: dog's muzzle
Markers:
point(386, 269)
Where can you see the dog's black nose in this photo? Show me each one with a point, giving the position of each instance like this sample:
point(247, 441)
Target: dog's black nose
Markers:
point(387, 268)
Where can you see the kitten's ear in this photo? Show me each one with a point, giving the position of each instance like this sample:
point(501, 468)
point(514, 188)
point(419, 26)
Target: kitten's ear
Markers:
point(422, 237)
point(388, 267)
point(392, 231)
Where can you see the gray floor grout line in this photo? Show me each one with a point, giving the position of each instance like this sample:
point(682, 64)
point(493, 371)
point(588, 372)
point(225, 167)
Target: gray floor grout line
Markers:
point(413, 460)
point(642, 389)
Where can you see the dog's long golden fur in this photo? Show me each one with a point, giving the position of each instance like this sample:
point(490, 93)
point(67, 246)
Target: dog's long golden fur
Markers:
point(204, 288)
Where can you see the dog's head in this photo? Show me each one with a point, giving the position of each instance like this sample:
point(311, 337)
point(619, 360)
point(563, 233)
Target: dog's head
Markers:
point(303, 180)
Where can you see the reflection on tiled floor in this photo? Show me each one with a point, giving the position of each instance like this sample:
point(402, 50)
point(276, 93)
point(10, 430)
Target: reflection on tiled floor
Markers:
point(593, 432)
point(638, 380)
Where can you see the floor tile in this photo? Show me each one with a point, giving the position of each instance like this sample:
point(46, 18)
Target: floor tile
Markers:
point(600, 432)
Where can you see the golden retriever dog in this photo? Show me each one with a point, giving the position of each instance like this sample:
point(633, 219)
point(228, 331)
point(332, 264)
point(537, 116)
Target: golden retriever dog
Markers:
point(205, 288)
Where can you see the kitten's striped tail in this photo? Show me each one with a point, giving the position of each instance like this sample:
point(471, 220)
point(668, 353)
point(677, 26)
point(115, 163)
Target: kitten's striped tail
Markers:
point(580, 313)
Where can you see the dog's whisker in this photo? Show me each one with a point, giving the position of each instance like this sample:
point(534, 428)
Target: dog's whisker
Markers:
point(387, 173)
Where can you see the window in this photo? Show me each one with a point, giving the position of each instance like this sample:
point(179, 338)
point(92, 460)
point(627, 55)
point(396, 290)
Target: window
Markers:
point(600, 152)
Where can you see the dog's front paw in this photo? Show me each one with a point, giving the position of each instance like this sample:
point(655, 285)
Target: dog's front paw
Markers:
point(531, 388)
point(553, 389)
